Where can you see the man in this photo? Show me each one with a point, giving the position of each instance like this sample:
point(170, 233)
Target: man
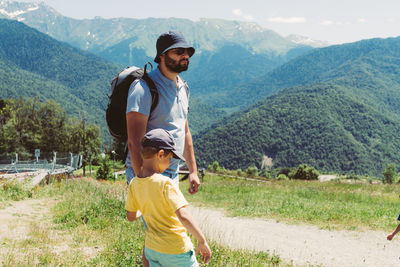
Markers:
point(173, 53)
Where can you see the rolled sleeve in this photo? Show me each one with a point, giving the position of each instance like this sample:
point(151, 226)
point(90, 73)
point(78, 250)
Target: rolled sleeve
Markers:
point(139, 98)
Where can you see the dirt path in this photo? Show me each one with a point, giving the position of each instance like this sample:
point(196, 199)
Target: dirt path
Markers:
point(16, 218)
point(302, 244)
point(31, 220)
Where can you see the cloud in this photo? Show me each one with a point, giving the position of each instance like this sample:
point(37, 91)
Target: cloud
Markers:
point(287, 20)
point(239, 13)
point(327, 22)
point(361, 20)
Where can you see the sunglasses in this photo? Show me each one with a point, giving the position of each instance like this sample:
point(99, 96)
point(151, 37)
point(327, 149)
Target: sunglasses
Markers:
point(180, 51)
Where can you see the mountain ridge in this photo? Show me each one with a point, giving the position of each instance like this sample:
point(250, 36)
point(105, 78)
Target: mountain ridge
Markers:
point(342, 117)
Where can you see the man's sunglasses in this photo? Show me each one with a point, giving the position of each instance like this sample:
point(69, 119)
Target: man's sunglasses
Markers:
point(179, 51)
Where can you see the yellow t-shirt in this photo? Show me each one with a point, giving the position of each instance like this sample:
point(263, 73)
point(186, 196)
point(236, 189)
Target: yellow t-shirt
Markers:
point(158, 199)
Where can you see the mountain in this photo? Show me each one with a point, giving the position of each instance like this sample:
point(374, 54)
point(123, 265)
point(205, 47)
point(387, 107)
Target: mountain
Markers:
point(335, 108)
point(228, 53)
point(299, 39)
point(358, 62)
point(33, 64)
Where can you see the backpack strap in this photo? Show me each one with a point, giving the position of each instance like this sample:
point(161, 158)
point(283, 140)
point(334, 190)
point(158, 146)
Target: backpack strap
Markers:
point(154, 97)
point(152, 87)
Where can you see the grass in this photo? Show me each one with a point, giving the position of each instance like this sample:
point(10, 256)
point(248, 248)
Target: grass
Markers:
point(13, 190)
point(90, 214)
point(330, 205)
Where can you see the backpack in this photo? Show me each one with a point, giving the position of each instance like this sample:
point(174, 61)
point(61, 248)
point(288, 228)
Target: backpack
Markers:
point(116, 109)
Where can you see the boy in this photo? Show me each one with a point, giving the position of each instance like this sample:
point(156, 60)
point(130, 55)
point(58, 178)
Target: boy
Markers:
point(163, 207)
point(390, 237)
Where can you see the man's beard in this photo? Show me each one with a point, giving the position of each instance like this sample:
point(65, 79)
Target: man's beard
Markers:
point(176, 66)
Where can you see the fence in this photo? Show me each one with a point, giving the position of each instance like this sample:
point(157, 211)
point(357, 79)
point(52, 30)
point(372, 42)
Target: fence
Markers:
point(52, 165)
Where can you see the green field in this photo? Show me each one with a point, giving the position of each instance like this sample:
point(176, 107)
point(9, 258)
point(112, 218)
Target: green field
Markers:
point(90, 214)
point(329, 205)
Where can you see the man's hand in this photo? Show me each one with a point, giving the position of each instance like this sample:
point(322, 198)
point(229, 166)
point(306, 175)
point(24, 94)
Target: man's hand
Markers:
point(194, 183)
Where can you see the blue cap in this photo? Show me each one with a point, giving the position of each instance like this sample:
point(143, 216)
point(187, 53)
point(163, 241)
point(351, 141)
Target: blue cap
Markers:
point(161, 139)
point(170, 40)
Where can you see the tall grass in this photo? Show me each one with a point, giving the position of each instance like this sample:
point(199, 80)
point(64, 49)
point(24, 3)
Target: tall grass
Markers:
point(13, 190)
point(93, 214)
point(329, 205)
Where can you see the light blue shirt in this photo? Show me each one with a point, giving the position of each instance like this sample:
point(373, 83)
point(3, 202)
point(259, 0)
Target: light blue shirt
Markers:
point(170, 113)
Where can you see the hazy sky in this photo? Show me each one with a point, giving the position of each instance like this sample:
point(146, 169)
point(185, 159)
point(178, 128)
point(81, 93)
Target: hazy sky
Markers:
point(335, 21)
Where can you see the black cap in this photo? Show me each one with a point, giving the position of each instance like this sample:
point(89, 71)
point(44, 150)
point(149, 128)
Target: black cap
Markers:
point(162, 139)
point(170, 40)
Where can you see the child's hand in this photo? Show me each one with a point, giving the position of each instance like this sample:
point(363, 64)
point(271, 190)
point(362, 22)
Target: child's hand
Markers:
point(204, 250)
point(389, 237)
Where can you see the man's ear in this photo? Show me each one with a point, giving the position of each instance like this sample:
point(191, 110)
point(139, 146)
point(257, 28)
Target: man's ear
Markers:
point(162, 58)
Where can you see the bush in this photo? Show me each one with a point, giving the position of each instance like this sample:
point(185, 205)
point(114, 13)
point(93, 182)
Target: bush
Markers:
point(266, 174)
point(252, 171)
point(304, 172)
point(105, 170)
point(239, 172)
point(213, 167)
point(282, 177)
point(389, 174)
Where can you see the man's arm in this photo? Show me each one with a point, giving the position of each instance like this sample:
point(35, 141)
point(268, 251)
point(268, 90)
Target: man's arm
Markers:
point(188, 154)
point(136, 124)
point(390, 237)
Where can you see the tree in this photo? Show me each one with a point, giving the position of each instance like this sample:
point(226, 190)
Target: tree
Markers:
point(28, 124)
point(105, 171)
point(304, 172)
point(389, 174)
point(252, 171)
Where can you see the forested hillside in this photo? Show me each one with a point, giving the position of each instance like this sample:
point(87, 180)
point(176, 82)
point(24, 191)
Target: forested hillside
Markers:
point(228, 53)
point(355, 64)
point(345, 117)
point(33, 64)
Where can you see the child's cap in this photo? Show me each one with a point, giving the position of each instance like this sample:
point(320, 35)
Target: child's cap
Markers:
point(162, 139)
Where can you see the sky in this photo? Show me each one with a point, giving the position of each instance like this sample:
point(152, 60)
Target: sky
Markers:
point(334, 21)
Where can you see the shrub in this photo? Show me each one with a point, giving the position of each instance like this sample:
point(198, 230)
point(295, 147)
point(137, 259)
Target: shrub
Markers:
point(252, 171)
point(304, 172)
point(389, 174)
point(105, 170)
point(213, 167)
point(282, 177)
point(239, 172)
point(266, 174)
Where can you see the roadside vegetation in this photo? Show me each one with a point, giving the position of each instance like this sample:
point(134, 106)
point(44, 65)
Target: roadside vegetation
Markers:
point(92, 213)
point(340, 204)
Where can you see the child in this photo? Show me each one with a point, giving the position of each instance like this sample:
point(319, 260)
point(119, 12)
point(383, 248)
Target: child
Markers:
point(390, 237)
point(163, 207)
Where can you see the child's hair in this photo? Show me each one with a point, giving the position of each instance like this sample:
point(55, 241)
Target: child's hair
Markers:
point(148, 152)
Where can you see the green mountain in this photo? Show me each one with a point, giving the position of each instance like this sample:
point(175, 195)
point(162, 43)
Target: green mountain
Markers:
point(353, 64)
point(343, 116)
point(34, 64)
point(228, 53)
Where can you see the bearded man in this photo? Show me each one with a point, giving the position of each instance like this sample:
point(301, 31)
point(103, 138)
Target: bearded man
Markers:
point(171, 113)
